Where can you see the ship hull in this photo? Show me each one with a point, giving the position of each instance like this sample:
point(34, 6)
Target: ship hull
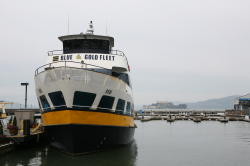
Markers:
point(80, 131)
point(80, 139)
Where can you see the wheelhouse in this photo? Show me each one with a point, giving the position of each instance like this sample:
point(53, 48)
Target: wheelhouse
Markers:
point(87, 43)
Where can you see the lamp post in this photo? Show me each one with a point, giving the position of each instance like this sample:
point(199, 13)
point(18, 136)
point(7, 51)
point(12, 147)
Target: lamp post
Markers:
point(25, 84)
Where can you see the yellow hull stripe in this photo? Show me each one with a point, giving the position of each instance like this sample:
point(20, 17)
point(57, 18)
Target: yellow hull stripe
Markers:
point(86, 117)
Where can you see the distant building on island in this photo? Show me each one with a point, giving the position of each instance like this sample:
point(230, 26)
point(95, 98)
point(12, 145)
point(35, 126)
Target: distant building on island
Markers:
point(242, 103)
point(165, 105)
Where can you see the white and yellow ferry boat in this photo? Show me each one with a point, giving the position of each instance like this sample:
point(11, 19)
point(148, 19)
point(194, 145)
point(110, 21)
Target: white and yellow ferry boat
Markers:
point(85, 94)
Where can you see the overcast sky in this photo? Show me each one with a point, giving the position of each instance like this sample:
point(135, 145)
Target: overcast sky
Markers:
point(178, 50)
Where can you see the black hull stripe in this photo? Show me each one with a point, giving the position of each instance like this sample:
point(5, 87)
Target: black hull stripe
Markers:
point(90, 125)
point(86, 109)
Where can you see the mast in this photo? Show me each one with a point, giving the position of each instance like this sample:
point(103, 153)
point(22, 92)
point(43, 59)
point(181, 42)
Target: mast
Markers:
point(90, 30)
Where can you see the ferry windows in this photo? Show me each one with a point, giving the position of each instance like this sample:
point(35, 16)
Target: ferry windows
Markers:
point(83, 99)
point(120, 106)
point(123, 76)
point(45, 104)
point(57, 99)
point(115, 74)
point(86, 46)
point(128, 108)
point(106, 102)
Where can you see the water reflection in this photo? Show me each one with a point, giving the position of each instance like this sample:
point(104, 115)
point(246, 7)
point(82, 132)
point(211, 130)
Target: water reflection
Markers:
point(241, 134)
point(122, 156)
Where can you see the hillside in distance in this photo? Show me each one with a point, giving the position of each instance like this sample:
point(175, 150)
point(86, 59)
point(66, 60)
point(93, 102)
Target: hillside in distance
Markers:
point(219, 103)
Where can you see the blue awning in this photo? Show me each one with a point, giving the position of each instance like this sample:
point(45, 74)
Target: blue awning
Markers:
point(244, 99)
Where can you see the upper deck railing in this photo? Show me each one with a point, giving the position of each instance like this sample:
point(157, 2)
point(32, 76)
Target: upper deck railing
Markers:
point(71, 64)
point(60, 52)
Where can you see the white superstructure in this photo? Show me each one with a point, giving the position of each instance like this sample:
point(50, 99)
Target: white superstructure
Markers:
point(81, 67)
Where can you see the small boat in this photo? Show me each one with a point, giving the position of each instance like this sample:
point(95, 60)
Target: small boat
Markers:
point(146, 119)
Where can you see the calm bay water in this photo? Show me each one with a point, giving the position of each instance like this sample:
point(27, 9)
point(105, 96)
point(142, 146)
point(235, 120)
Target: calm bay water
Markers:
point(157, 143)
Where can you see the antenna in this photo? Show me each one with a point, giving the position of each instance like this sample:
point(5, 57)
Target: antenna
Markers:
point(68, 24)
point(90, 30)
point(106, 30)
